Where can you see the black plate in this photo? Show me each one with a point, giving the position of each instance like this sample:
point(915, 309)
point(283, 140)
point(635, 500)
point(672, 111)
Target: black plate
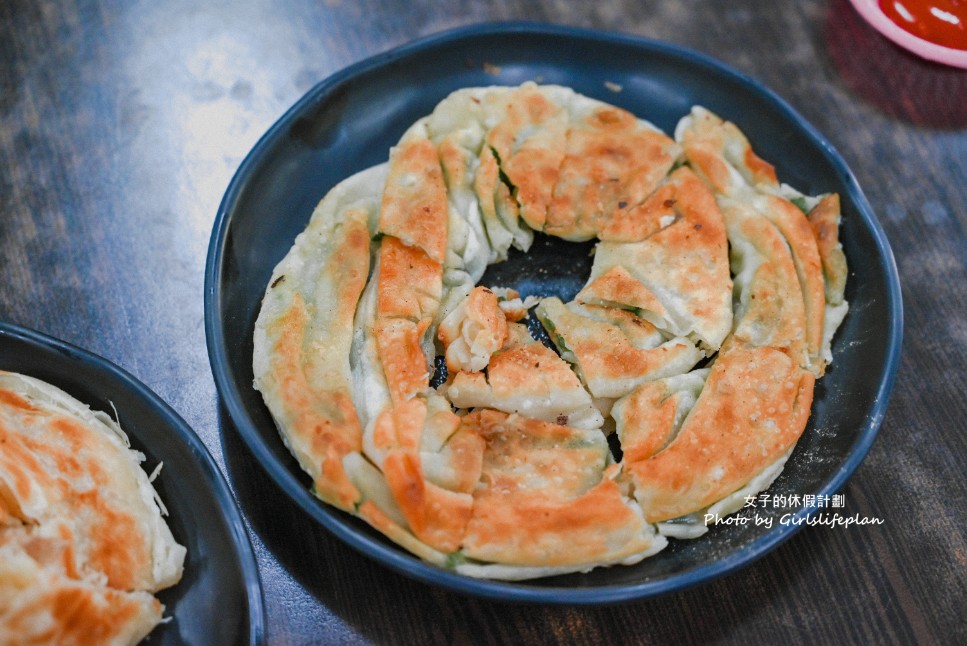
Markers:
point(349, 121)
point(219, 598)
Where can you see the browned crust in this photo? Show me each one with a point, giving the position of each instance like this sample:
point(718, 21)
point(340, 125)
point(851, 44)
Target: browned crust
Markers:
point(682, 197)
point(414, 205)
point(398, 342)
point(706, 145)
point(798, 232)
point(528, 368)
point(613, 163)
point(762, 171)
point(480, 326)
point(409, 287)
point(323, 421)
point(454, 160)
point(824, 220)
point(687, 257)
point(435, 515)
point(711, 167)
point(635, 222)
point(564, 509)
point(67, 611)
point(63, 461)
point(602, 177)
point(603, 352)
point(616, 287)
point(752, 410)
point(377, 518)
point(410, 283)
point(775, 315)
point(532, 163)
point(650, 409)
point(520, 373)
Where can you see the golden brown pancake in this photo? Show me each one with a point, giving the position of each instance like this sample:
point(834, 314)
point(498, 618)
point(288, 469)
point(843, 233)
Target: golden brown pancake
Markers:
point(677, 277)
point(650, 416)
point(304, 332)
point(413, 218)
point(549, 499)
point(769, 309)
point(434, 514)
point(751, 410)
point(83, 544)
point(722, 155)
point(473, 332)
point(824, 218)
point(529, 145)
point(795, 228)
point(613, 162)
point(504, 469)
point(527, 378)
point(607, 360)
point(414, 200)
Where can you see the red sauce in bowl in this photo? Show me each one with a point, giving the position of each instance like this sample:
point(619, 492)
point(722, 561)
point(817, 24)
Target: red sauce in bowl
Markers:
point(943, 22)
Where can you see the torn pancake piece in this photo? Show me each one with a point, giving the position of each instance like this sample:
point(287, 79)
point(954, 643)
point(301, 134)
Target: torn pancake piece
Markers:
point(304, 333)
point(824, 218)
point(798, 234)
point(414, 207)
point(475, 330)
point(513, 306)
point(527, 378)
point(40, 603)
point(611, 349)
point(468, 250)
point(461, 126)
point(459, 152)
point(528, 144)
point(721, 154)
point(769, 306)
point(752, 410)
point(549, 499)
point(414, 217)
point(435, 514)
point(649, 417)
point(409, 288)
point(678, 277)
point(613, 162)
point(81, 520)
point(417, 475)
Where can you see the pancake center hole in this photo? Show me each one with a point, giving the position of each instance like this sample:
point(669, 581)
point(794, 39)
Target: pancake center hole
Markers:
point(551, 267)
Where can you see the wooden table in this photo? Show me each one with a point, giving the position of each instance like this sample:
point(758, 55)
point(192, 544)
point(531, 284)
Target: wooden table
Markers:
point(121, 124)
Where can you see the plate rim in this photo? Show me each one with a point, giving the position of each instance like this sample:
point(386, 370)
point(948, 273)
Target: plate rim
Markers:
point(176, 424)
point(397, 559)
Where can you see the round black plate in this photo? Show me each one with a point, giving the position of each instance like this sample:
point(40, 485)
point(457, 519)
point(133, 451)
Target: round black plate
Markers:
point(349, 121)
point(219, 598)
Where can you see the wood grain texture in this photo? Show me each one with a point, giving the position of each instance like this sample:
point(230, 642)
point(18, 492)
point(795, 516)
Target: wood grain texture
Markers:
point(121, 124)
